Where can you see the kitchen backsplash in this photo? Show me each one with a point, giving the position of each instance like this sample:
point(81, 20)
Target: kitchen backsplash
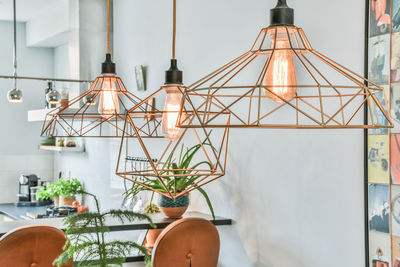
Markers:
point(12, 166)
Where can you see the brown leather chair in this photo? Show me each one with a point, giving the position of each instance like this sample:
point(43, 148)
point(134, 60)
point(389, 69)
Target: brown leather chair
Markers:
point(189, 242)
point(31, 246)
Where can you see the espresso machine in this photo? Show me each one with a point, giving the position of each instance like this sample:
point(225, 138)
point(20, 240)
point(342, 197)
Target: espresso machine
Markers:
point(28, 186)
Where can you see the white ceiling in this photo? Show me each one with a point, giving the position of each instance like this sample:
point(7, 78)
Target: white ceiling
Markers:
point(27, 9)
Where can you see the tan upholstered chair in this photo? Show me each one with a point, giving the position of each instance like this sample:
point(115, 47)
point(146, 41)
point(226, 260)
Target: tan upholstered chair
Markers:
point(189, 242)
point(31, 246)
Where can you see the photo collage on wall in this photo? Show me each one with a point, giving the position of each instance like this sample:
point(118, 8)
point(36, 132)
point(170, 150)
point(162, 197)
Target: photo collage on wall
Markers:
point(383, 149)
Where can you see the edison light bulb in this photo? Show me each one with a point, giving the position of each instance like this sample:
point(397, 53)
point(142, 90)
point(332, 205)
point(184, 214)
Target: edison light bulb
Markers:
point(280, 77)
point(171, 113)
point(108, 104)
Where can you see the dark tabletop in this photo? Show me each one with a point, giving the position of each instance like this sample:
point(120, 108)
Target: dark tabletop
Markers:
point(20, 214)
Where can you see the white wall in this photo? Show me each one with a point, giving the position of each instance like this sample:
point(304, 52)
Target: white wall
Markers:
point(296, 195)
point(19, 139)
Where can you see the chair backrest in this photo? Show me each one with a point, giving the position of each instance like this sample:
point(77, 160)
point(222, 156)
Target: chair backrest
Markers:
point(189, 242)
point(32, 246)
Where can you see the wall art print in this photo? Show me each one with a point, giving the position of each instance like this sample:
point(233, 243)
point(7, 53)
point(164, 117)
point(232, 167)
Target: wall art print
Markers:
point(382, 154)
point(379, 17)
point(379, 250)
point(379, 59)
point(378, 159)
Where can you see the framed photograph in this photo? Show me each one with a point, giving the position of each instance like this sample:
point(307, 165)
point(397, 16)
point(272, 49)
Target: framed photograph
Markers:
point(140, 78)
point(379, 59)
point(379, 17)
point(378, 159)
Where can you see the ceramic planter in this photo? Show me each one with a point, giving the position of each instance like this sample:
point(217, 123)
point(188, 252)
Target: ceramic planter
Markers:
point(66, 201)
point(152, 236)
point(56, 201)
point(174, 208)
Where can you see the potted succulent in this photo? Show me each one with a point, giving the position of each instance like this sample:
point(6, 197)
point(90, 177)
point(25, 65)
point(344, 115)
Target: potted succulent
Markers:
point(63, 191)
point(175, 208)
point(87, 245)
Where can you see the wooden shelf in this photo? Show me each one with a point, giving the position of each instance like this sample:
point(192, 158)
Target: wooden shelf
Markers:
point(38, 114)
point(77, 149)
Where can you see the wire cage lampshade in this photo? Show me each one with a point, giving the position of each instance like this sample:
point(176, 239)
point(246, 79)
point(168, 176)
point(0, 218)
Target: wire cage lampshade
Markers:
point(282, 82)
point(100, 112)
point(171, 166)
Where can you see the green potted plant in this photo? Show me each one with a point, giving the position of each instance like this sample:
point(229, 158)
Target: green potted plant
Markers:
point(68, 189)
point(50, 191)
point(86, 243)
point(63, 191)
point(175, 208)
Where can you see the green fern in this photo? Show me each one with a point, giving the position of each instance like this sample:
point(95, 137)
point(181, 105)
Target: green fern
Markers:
point(86, 243)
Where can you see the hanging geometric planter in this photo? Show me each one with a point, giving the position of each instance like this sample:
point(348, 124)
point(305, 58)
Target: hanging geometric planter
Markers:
point(171, 167)
point(282, 82)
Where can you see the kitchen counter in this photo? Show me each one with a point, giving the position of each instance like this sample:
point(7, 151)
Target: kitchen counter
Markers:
point(21, 213)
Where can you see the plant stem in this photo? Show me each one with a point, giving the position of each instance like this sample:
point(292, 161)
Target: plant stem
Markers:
point(152, 196)
point(100, 239)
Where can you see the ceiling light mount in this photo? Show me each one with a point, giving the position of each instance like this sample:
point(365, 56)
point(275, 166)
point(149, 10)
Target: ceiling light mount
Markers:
point(173, 75)
point(282, 14)
point(108, 66)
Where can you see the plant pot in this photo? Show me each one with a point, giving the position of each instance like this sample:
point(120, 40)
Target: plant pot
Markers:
point(56, 201)
point(66, 201)
point(152, 236)
point(174, 208)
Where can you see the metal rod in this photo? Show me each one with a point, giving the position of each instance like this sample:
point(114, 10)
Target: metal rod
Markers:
point(15, 42)
point(43, 79)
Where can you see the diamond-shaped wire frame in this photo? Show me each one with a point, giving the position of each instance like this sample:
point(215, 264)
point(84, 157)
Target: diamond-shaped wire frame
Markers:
point(87, 121)
point(328, 95)
point(149, 162)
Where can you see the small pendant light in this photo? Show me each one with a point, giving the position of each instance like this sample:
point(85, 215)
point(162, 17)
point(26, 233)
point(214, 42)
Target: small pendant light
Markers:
point(106, 120)
point(282, 82)
point(53, 97)
point(15, 95)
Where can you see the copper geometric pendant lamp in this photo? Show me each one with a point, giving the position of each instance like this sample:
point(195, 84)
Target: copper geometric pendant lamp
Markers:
point(99, 112)
point(193, 156)
point(282, 82)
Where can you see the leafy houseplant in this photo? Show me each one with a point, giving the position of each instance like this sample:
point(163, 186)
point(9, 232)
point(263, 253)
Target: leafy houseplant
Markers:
point(177, 183)
point(86, 243)
point(65, 189)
